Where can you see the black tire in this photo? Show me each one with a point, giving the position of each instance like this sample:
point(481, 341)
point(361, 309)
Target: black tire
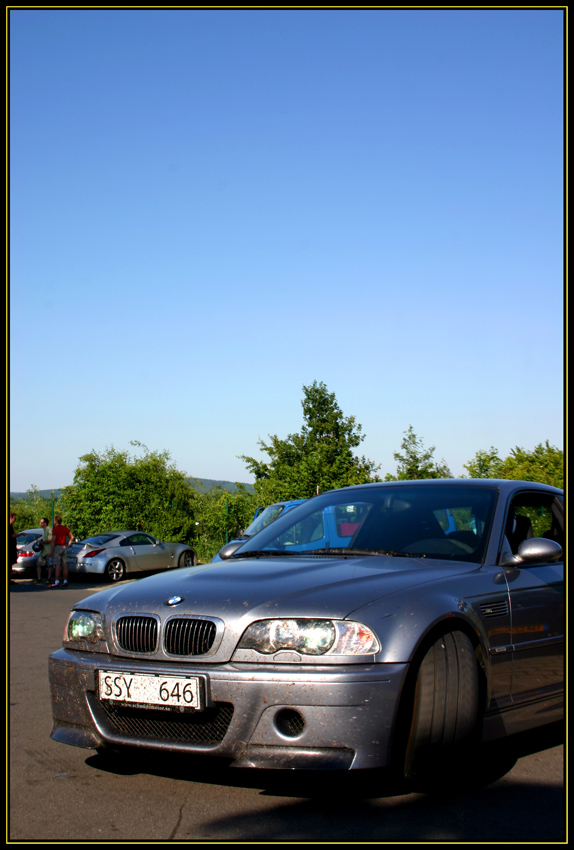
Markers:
point(444, 709)
point(115, 570)
point(188, 559)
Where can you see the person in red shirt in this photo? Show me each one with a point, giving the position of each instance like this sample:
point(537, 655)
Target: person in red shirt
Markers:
point(60, 534)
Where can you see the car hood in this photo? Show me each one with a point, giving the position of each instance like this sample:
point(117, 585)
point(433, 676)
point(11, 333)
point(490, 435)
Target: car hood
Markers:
point(256, 588)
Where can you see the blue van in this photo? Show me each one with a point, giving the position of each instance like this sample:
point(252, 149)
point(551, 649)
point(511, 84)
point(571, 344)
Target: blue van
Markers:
point(261, 518)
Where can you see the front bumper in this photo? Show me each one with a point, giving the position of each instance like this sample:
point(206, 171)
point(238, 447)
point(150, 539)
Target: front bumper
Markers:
point(280, 715)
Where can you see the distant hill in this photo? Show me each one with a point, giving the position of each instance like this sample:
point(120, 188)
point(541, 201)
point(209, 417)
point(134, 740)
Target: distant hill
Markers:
point(45, 494)
point(205, 485)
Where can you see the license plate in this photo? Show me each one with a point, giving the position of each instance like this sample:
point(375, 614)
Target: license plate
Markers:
point(183, 692)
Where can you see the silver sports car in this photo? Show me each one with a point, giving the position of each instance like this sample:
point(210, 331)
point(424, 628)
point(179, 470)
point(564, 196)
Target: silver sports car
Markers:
point(115, 554)
point(380, 625)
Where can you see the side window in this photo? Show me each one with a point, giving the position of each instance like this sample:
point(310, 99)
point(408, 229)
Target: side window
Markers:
point(534, 514)
point(137, 540)
point(144, 540)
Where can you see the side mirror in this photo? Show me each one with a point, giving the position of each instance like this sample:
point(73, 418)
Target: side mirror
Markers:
point(534, 551)
point(538, 549)
point(229, 548)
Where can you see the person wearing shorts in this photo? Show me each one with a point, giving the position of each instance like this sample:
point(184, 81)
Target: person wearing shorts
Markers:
point(60, 534)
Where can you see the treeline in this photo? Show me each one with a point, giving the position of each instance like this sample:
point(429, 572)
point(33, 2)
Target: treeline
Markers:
point(117, 490)
point(203, 484)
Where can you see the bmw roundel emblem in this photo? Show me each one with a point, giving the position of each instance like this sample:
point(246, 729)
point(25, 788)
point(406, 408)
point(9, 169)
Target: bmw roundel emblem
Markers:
point(175, 600)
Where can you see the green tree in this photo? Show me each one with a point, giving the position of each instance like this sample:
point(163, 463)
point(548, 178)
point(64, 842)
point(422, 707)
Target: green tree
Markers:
point(321, 456)
point(29, 511)
point(417, 462)
point(115, 490)
point(485, 464)
point(219, 517)
point(545, 464)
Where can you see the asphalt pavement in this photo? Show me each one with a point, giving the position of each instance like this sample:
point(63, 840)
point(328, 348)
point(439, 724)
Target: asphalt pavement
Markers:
point(64, 794)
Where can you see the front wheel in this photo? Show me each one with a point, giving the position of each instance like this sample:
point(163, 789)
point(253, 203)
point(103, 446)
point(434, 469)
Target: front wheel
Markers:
point(188, 559)
point(444, 719)
point(115, 570)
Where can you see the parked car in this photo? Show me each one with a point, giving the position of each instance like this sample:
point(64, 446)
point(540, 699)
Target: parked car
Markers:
point(438, 624)
point(262, 517)
point(27, 554)
point(116, 554)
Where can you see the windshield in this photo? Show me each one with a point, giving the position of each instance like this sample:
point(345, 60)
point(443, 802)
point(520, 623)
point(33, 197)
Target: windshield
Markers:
point(446, 521)
point(263, 519)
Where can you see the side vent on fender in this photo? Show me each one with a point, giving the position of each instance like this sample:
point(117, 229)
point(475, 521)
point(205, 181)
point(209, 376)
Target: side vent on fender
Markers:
point(498, 608)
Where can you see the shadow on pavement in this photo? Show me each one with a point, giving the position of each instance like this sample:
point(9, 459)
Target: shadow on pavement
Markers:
point(494, 761)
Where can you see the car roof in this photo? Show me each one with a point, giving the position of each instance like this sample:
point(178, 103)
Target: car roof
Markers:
point(286, 503)
point(31, 531)
point(120, 533)
point(504, 485)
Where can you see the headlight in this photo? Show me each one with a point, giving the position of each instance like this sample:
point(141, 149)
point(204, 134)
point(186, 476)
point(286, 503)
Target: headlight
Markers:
point(310, 637)
point(85, 627)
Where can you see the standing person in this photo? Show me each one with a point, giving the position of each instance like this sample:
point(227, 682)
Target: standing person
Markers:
point(12, 547)
point(45, 551)
point(60, 534)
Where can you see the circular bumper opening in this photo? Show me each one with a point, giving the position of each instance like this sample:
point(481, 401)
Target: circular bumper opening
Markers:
point(289, 723)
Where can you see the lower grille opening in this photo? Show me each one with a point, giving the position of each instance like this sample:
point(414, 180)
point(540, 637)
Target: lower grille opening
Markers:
point(201, 727)
point(289, 722)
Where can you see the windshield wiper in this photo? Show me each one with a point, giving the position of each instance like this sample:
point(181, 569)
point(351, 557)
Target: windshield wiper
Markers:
point(333, 552)
point(262, 553)
point(354, 552)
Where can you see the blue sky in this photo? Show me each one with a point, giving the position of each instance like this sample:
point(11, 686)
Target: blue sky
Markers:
point(210, 209)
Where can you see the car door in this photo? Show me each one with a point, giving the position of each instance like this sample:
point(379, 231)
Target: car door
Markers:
point(537, 599)
point(146, 553)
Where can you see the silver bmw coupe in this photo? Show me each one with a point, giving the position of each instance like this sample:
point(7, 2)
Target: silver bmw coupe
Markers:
point(383, 625)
